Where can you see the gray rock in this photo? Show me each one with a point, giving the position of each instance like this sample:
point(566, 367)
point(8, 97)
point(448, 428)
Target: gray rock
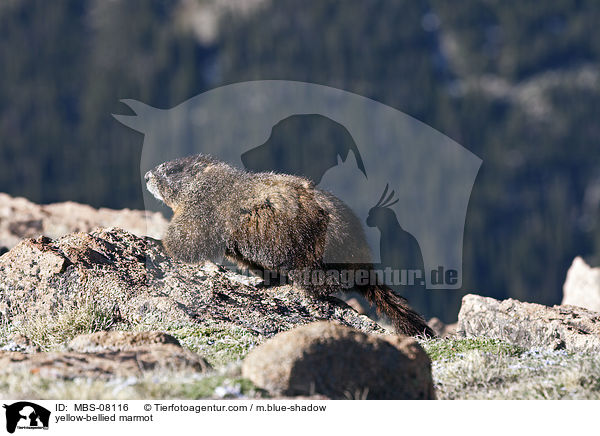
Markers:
point(19, 342)
point(441, 329)
point(530, 325)
point(134, 361)
point(339, 362)
point(118, 340)
point(582, 286)
point(131, 280)
point(20, 218)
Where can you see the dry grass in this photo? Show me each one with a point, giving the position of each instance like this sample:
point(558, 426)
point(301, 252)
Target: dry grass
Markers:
point(476, 368)
point(53, 333)
point(481, 368)
point(22, 385)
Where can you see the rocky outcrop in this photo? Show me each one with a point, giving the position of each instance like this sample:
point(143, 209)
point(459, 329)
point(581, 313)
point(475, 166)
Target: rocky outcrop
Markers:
point(120, 354)
point(119, 340)
point(340, 362)
point(530, 325)
point(130, 280)
point(20, 218)
point(582, 286)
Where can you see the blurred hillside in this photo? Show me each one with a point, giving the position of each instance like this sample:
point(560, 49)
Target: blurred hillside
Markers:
point(516, 83)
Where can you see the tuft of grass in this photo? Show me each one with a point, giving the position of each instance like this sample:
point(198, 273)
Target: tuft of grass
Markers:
point(53, 333)
point(6, 330)
point(450, 349)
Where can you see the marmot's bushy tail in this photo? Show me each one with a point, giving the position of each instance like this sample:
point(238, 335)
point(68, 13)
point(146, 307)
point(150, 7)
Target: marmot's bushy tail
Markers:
point(405, 320)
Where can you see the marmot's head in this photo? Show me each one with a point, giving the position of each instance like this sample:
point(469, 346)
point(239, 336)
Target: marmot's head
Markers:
point(169, 181)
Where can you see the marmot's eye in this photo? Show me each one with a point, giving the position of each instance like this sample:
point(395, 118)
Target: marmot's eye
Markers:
point(173, 169)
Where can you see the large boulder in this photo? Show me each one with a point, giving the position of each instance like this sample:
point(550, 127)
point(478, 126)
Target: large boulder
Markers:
point(530, 325)
point(341, 362)
point(582, 286)
point(20, 218)
point(129, 279)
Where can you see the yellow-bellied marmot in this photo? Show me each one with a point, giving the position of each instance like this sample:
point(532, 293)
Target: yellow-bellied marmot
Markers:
point(272, 223)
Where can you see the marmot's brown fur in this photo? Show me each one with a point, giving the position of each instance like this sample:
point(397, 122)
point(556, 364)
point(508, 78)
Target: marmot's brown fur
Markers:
point(269, 222)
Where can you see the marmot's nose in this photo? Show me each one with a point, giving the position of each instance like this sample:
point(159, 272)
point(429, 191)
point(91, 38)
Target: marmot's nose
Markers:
point(147, 176)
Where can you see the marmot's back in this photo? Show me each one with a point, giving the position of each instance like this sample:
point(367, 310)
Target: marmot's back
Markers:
point(276, 222)
point(288, 214)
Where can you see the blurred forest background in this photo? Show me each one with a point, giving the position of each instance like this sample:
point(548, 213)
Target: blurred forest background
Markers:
point(517, 83)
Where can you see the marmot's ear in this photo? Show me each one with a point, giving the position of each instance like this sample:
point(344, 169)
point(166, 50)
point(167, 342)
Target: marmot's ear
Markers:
point(308, 184)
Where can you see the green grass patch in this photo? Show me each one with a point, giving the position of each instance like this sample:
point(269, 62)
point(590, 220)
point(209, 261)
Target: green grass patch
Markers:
point(220, 386)
point(483, 368)
point(219, 345)
point(450, 349)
